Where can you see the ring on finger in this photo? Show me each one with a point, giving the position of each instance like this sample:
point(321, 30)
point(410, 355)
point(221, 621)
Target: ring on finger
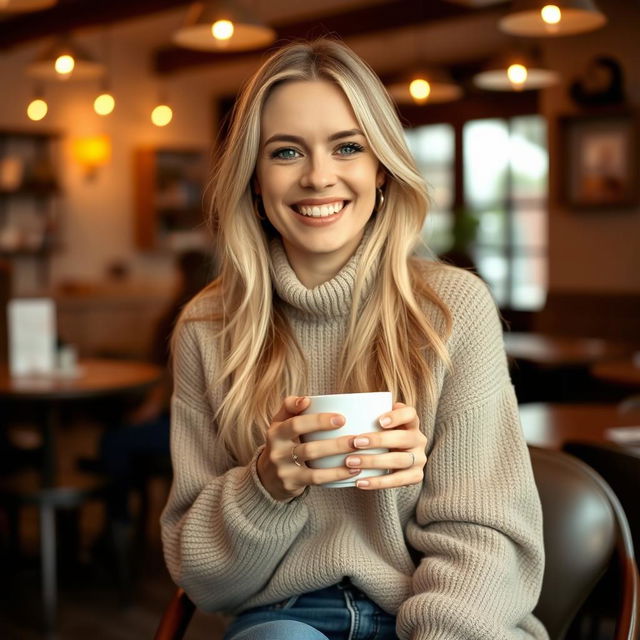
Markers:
point(294, 457)
point(413, 459)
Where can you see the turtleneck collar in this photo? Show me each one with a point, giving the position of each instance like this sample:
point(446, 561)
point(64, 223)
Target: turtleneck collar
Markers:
point(329, 299)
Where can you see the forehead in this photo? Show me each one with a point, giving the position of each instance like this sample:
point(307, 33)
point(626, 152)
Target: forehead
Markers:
point(306, 107)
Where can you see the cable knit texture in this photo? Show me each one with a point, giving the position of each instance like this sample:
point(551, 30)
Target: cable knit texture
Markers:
point(458, 557)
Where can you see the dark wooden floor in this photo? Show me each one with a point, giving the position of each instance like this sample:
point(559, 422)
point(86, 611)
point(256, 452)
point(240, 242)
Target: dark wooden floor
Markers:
point(90, 604)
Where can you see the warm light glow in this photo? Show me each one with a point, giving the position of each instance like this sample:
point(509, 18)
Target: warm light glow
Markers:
point(419, 89)
point(37, 109)
point(222, 29)
point(104, 104)
point(64, 64)
point(92, 152)
point(517, 74)
point(551, 14)
point(161, 115)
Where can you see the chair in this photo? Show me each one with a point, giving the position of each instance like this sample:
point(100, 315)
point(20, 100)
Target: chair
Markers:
point(584, 526)
point(620, 467)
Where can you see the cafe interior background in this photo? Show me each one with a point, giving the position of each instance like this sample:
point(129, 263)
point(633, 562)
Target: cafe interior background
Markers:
point(537, 184)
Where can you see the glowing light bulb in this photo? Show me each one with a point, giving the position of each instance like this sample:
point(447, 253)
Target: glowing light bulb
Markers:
point(517, 74)
point(162, 115)
point(419, 89)
point(64, 64)
point(222, 29)
point(104, 104)
point(37, 109)
point(551, 14)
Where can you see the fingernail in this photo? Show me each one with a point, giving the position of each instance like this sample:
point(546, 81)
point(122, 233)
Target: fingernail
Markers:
point(361, 442)
point(385, 422)
point(300, 401)
point(338, 421)
point(362, 483)
point(355, 472)
point(354, 462)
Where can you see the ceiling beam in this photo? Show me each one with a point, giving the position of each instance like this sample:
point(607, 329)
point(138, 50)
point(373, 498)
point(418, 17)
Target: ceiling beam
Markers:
point(70, 15)
point(355, 22)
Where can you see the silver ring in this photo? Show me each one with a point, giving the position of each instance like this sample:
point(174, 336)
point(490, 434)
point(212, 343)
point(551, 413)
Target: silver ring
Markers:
point(294, 457)
point(413, 459)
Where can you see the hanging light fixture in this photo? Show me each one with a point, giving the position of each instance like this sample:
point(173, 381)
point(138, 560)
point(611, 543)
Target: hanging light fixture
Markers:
point(551, 18)
point(222, 25)
point(23, 6)
point(515, 71)
point(425, 86)
point(64, 60)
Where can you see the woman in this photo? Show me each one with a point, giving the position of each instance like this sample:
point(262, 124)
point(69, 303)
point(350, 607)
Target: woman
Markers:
point(318, 206)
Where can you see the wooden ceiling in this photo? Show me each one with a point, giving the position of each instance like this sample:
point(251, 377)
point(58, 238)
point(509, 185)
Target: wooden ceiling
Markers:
point(346, 20)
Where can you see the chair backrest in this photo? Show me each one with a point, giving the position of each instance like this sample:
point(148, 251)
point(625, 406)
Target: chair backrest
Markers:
point(584, 528)
point(620, 467)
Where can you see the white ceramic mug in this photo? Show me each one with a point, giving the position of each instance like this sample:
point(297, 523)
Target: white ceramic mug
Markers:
point(361, 412)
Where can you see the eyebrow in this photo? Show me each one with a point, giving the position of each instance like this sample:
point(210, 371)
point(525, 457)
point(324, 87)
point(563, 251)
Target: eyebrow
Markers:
point(283, 137)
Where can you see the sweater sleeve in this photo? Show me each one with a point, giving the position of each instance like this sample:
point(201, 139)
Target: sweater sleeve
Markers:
point(478, 522)
point(223, 534)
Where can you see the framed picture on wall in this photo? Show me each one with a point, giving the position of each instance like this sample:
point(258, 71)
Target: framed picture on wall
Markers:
point(169, 186)
point(599, 160)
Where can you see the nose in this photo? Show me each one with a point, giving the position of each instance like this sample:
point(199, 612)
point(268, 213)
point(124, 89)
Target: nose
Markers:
point(318, 173)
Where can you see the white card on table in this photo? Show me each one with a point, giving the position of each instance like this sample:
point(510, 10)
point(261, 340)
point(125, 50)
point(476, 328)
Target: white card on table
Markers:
point(32, 336)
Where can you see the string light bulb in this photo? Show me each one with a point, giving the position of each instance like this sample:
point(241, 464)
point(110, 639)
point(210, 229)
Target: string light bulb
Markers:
point(37, 109)
point(64, 65)
point(104, 104)
point(551, 13)
point(162, 115)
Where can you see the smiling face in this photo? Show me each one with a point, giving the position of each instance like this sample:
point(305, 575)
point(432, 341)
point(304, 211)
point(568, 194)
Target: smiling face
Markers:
point(316, 175)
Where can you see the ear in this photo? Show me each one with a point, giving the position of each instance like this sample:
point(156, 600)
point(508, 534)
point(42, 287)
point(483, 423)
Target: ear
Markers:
point(381, 177)
point(255, 185)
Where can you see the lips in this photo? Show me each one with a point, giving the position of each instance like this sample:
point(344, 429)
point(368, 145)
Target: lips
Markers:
point(319, 208)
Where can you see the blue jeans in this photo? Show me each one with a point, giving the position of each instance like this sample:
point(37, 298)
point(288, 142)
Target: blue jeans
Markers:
point(341, 612)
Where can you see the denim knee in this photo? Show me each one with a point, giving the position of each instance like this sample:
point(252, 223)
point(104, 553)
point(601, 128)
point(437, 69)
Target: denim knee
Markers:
point(279, 630)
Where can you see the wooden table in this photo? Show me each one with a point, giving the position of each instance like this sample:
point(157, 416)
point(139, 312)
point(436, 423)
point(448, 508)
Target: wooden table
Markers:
point(93, 379)
point(548, 350)
point(551, 425)
point(620, 371)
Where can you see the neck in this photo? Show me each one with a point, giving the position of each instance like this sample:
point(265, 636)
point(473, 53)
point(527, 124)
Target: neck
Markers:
point(316, 269)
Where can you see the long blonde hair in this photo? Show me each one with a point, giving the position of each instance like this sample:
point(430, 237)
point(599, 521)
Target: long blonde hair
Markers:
point(388, 335)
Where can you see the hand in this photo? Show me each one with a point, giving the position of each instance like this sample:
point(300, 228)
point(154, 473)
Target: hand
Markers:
point(277, 470)
point(406, 443)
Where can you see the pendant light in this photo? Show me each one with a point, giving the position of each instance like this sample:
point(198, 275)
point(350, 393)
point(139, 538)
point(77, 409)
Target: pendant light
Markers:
point(425, 86)
point(64, 60)
point(23, 6)
point(550, 18)
point(222, 25)
point(515, 71)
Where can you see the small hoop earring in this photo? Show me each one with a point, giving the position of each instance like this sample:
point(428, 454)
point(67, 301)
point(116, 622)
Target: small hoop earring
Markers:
point(258, 207)
point(379, 199)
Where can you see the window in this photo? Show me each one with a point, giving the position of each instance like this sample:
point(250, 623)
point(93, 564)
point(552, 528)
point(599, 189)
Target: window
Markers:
point(504, 166)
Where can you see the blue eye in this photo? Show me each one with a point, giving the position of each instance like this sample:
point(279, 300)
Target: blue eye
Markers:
point(350, 148)
point(285, 154)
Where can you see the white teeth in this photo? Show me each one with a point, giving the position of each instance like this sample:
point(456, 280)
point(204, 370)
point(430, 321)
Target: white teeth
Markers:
point(321, 211)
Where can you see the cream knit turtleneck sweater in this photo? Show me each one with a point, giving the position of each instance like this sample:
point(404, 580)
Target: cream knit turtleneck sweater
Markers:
point(459, 557)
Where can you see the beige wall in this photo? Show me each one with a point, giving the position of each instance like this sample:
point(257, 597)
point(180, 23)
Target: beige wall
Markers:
point(593, 251)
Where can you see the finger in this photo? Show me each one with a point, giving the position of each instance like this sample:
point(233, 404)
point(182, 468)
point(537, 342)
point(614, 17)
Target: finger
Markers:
point(300, 425)
point(323, 448)
point(403, 478)
point(291, 406)
point(402, 416)
point(394, 439)
point(304, 476)
point(398, 460)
